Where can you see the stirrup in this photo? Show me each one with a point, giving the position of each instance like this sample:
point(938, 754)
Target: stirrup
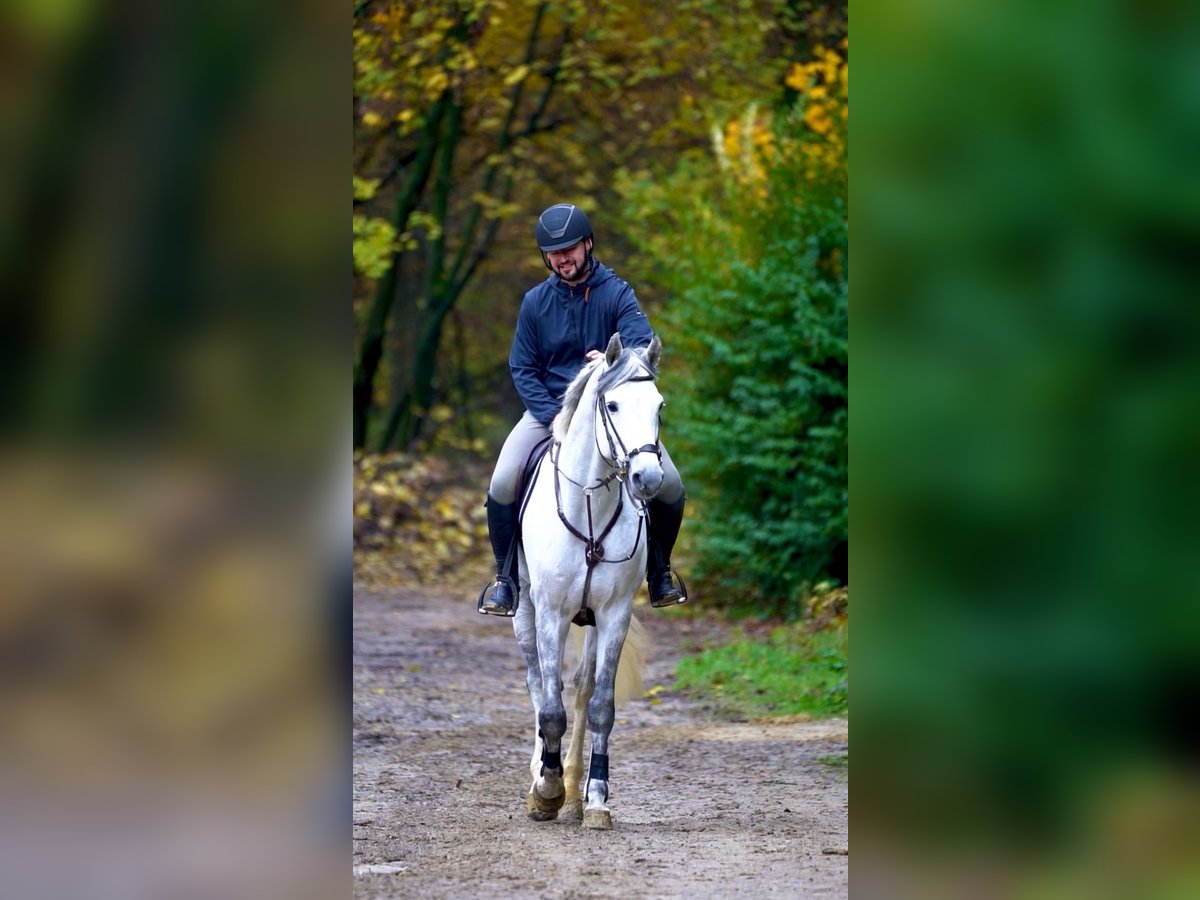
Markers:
point(668, 598)
point(486, 607)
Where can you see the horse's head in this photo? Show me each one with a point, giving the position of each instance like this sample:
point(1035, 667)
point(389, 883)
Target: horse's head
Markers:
point(627, 414)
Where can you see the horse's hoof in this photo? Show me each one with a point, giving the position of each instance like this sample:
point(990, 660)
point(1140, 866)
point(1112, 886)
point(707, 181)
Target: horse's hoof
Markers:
point(572, 811)
point(599, 819)
point(543, 809)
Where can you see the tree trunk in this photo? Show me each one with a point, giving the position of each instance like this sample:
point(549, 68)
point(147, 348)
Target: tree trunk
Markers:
point(408, 415)
point(437, 303)
point(371, 351)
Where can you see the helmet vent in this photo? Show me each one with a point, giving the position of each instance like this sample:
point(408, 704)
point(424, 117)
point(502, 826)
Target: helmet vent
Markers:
point(562, 225)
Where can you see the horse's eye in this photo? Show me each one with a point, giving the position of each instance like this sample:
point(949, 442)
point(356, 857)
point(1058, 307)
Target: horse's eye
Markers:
point(612, 406)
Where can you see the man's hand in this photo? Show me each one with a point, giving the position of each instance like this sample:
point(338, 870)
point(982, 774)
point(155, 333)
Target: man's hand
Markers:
point(593, 354)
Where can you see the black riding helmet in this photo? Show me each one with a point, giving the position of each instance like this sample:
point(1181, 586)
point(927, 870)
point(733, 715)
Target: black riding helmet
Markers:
point(561, 226)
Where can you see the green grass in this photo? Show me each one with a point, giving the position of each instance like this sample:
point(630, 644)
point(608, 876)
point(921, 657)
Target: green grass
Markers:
point(789, 673)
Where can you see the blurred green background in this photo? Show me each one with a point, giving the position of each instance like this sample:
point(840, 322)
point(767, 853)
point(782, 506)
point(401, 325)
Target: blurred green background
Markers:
point(708, 145)
point(1026, 219)
point(174, 450)
point(178, 416)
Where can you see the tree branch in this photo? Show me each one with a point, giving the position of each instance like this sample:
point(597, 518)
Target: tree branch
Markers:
point(371, 350)
point(401, 163)
point(502, 144)
point(459, 277)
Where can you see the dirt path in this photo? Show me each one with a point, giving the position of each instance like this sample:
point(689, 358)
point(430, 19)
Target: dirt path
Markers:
point(701, 807)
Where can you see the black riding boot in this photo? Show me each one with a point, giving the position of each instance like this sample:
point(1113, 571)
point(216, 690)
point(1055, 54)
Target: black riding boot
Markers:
point(504, 591)
point(663, 521)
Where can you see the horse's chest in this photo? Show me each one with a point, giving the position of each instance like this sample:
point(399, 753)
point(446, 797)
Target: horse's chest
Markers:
point(558, 562)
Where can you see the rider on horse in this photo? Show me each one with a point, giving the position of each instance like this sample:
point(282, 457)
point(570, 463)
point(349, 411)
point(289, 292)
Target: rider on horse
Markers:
point(565, 322)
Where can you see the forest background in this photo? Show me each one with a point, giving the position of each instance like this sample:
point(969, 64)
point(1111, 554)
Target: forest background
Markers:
point(708, 144)
point(173, 238)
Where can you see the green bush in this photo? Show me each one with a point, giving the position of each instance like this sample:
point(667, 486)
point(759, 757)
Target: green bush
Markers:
point(756, 379)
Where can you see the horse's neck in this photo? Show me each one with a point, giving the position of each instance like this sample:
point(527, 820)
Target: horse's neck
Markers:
point(580, 460)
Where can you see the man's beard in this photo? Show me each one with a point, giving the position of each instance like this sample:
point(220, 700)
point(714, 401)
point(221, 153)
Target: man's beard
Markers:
point(578, 272)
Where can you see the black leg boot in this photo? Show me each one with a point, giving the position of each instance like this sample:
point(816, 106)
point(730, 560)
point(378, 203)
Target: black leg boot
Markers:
point(662, 527)
point(500, 597)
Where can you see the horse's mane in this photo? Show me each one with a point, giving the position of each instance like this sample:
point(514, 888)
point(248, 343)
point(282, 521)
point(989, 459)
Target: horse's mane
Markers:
point(628, 365)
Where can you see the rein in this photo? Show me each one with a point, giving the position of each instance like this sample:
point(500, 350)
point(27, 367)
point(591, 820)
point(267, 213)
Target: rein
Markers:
point(593, 545)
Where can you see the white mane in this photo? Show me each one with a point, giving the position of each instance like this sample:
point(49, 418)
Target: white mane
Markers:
point(628, 364)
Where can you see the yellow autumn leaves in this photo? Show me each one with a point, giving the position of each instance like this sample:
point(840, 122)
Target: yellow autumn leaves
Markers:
point(746, 144)
point(403, 60)
point(824, 84)
point(420, 521)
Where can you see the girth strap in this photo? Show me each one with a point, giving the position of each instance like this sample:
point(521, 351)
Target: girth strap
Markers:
point(593, 546)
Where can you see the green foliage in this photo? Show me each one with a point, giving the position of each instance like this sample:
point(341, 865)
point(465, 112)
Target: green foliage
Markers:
point(764, 415)
point(1026, 435)
point(469, 118)
point(756, 382)
point(374, 244)
point(793, 672)
point(835, 760)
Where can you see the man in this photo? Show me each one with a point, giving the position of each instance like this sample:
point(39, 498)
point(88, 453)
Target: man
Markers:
point(565, 322)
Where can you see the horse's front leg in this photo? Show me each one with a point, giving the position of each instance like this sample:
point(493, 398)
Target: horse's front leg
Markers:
point(525, 629)
point(585, 682)
point(610, 637)
point(546, 795)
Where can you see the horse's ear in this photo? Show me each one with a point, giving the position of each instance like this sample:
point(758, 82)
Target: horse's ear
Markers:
point(614, 349)
point(653, 352)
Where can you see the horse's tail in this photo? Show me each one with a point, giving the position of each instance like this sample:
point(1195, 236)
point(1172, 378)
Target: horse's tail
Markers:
point(630, 683)
point(631, 670)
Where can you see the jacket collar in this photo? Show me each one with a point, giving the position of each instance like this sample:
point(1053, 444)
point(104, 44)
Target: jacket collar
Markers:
point(599, 273)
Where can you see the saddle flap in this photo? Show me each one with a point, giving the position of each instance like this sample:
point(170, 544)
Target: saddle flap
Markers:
point(530, 470)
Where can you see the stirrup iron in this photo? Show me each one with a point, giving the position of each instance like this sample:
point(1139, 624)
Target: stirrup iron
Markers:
point(484, 606)
point(672, 577)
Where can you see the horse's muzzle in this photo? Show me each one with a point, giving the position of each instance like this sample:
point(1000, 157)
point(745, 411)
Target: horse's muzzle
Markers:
point(645, 478)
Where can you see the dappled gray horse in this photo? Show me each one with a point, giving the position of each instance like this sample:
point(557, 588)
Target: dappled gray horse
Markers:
point(583, 557)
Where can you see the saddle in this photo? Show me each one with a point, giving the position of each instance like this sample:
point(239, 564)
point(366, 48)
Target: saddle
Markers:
point(529, 475)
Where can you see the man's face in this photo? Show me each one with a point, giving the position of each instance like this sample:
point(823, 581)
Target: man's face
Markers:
point(568, 264)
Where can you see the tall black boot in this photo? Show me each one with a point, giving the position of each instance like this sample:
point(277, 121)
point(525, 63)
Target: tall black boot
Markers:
point(500, 597)
point(663, 521)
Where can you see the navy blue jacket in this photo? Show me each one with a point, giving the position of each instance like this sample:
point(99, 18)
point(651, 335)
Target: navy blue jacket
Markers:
point(556, 327)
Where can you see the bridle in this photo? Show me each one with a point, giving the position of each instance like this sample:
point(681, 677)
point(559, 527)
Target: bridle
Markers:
point(618, 460)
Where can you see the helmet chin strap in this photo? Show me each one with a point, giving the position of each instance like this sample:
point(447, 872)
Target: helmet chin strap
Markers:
point(588, 265)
